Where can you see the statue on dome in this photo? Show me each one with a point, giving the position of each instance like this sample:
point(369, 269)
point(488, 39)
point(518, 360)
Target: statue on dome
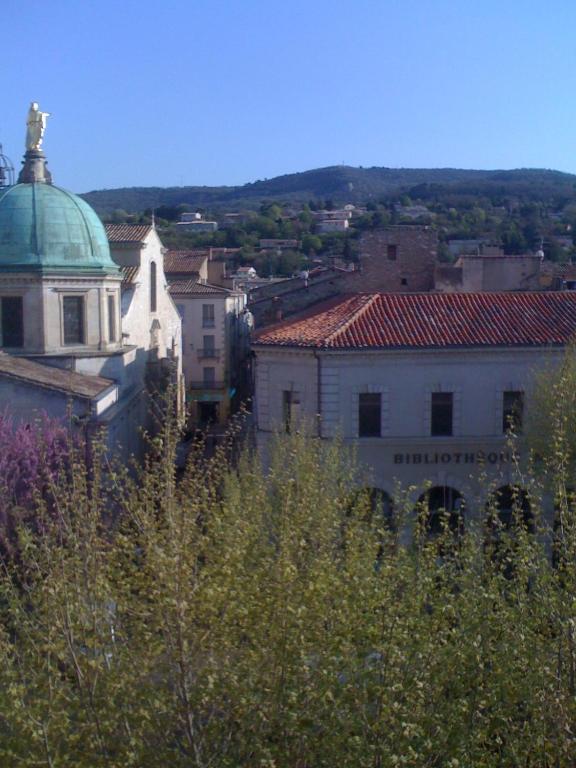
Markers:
point(35, 127)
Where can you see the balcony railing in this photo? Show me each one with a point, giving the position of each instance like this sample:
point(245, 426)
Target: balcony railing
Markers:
point(208, 353)
point(214, 384)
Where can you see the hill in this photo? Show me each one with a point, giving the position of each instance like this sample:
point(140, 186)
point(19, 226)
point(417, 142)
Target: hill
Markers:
point(344, 184)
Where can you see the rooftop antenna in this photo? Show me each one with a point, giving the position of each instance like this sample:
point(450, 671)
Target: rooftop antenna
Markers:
point(6, 170)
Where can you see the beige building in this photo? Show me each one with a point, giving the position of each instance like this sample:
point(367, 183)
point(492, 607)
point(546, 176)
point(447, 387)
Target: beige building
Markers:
point(215, 342)
point(489, 272)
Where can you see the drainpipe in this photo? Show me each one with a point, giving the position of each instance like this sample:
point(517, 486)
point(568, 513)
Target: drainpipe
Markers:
point(318, 393)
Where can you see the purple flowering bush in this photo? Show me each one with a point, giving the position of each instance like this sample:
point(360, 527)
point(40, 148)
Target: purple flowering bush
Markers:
point(32, 456)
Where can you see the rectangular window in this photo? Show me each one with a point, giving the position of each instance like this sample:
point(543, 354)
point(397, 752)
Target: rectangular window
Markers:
point(512, 411)
point(290, 408)
point(207, 315)
point(369, 414)
point(73, 319)
point(209, 376)
point(392, 252)
point(153, 287)
point(12, 321)
point(111, 318)
point(441, 414)
point(208, 346)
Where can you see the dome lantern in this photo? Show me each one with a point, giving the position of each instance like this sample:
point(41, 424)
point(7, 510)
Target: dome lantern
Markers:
point(43, 227)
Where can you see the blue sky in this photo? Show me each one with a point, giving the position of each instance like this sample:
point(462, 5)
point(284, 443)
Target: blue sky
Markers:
point(229, 91)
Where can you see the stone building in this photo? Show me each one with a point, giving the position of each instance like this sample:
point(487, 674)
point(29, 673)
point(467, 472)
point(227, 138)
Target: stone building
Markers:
point(398, 258)
point(215, 341)
point(423, 386)
point(487, 272)
point(79, 332)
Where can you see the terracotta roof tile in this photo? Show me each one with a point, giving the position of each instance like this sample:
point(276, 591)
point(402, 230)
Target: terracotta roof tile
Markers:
point(48, 377)
point(129, 275)
point(127, 233)
point(185, 262)
point(429, 320)
point(194, 288)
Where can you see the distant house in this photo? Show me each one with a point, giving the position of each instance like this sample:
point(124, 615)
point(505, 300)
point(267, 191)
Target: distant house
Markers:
point(557, 277)
point(333, 225)
point(244, 273)
point(489, 273)
point(195, 223)
point(413, 212)
point(191, 263)
point(235, 219)
point(466, 246)
point(338, 215)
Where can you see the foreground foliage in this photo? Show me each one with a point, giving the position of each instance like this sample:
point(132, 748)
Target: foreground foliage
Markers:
point(243, 619)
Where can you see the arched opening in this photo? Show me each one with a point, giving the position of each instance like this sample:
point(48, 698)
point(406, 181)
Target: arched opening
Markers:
point(512, 507)
point(509, 513)
point(153, 287)
point(380, 505)
point(376, 507)
point(441, 508)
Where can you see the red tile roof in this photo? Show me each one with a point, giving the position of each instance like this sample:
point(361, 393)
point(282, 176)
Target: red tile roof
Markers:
point(427, 320)
point(185, 262)
point(127, 233)
point(193, 288)
point(129, 275)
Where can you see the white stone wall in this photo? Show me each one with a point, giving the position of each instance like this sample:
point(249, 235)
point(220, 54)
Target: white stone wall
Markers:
point(27, 402)
point(140, 326)
point(406, 453)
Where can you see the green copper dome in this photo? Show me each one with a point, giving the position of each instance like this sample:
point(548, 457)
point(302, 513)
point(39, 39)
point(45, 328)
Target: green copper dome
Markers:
point(45, 228)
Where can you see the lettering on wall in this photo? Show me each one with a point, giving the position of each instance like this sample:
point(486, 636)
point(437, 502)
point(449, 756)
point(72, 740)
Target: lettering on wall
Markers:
point(455, 457)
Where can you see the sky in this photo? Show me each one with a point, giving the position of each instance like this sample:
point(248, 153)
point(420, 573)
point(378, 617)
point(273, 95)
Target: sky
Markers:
point(214, 92)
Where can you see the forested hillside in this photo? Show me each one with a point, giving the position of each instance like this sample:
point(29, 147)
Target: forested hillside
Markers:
point(351, 185)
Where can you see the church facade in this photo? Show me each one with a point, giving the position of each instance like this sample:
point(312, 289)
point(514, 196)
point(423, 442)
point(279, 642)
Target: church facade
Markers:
point(80, 332)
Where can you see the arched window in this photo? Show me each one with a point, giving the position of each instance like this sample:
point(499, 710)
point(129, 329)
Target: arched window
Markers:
point(153, 287)
point(508, 513)
point(376, 507)
point(381, 504)
point(441, 507)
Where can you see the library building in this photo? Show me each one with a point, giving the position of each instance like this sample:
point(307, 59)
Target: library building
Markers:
point(426, 387)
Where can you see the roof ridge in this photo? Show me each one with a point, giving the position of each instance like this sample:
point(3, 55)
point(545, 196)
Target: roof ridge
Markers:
point(370, 300)
point(418, 321)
